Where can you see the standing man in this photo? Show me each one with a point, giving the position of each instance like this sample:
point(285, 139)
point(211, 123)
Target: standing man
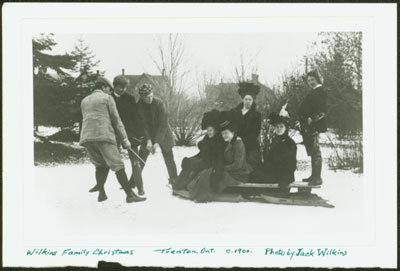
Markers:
point(100, 128)
point(312, 122)
point(134, 126)
point(157, 128)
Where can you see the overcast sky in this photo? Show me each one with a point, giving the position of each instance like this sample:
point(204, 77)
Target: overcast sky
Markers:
point(273, 53)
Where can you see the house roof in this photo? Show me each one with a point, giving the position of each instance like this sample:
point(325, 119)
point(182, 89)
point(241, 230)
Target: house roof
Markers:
point(156, 79)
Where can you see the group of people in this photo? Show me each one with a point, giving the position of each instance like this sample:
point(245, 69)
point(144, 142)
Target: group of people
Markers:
point(229, 153)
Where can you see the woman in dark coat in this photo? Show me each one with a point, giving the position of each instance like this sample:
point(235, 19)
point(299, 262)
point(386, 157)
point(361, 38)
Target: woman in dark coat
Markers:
point(210, 182)
point(210, 155)
point(248, 122)
point(280, 161)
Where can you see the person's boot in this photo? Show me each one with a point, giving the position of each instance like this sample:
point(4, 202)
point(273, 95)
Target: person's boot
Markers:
point(123, 181)
point(94, 189)
point(139, 185)
point(309, 179)
point(317, 167)
point(101, 177)
point(132, 182)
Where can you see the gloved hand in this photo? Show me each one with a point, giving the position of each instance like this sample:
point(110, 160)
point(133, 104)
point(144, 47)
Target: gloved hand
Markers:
point(126, 144)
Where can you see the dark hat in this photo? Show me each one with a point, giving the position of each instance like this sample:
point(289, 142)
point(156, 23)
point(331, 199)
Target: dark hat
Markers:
point(315, 74)
point(212, 118)
point(145, 90)
point(247, 88)
point(103, 81)
point(226, 121)
point(274, 118)
point(120, 80)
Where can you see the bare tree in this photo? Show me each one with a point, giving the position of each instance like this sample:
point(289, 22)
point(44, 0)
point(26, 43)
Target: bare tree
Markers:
point(245, 68)
point(171, 61)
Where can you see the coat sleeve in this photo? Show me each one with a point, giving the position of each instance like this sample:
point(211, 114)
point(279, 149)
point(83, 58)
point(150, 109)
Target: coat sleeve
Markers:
point(320, 102)
point(239, 156)
point(256, 125)
point(162, 125)
point(115, 119)
point(127, 115)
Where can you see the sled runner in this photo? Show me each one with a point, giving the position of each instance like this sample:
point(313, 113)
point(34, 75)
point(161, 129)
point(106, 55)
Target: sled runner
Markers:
point(303, 197)
point(301, 186)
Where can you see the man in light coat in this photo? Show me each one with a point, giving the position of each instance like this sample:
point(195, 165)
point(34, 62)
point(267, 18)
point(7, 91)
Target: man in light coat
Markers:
point(101, 126)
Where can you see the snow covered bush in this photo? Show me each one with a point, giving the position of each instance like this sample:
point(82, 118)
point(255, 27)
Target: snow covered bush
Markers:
point(347, 151)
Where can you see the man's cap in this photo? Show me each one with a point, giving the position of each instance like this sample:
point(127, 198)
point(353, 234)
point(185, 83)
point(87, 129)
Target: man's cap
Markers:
point(103, 80)
point(145, 90)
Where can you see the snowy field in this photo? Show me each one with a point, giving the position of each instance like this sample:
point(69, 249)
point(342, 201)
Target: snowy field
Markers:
point(60, 210)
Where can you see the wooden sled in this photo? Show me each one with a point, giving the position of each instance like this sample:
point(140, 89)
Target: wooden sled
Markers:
point(302, 197)
point(301, 187)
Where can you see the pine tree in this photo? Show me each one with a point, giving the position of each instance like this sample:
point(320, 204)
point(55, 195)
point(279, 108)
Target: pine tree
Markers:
point(50, 95)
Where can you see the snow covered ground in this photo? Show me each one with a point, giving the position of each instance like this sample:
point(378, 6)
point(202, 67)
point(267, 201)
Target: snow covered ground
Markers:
point(60, 210)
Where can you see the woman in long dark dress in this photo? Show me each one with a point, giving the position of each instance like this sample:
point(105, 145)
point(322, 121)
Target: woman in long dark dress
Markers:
point(210, 151)
point(280, 160)
point(235, 169)
point(248, 122)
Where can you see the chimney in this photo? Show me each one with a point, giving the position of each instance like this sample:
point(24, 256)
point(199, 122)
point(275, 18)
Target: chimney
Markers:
point(123, 71)
point(254, 78)
point(98, 72)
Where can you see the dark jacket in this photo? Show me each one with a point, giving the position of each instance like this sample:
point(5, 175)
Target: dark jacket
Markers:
point(211, 150)
point(101, 121)
point(132, 119)
point(235, 170)
point(248, 126)
point(313, 104)
point(158, 130)
point(279, 162)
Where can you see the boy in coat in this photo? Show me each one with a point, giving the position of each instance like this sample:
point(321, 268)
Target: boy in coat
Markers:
point(101, 126)
point(312, 114)
point(157, 129)
point(134, 126)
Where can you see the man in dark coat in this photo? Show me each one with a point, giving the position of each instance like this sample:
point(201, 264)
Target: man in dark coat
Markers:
point(280, 160)
point(248, 122)
point(133, 121)
point(101, 127)
point(312, 114)
point(158, 131)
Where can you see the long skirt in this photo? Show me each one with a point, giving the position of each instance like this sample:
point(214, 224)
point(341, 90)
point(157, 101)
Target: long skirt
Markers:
point(190, 168)
point(204, 187)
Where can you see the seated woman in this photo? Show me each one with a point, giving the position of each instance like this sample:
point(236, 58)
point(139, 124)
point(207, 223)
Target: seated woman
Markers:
point(235, 170)
point(280, 160)
point(210, 155)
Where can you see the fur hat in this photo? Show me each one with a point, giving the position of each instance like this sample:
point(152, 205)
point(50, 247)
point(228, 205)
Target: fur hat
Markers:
point(120, 80)
point(274, 118)
point(247, 88)
point(212, 118)
point(145, 90)
point(226, 121)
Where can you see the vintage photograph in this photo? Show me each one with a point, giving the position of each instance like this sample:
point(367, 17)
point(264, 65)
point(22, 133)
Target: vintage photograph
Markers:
point(199, 135)
point(177, 119)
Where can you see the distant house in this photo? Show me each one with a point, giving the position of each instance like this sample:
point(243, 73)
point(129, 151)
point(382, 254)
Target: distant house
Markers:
point(225, 95)
point(159, 82)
